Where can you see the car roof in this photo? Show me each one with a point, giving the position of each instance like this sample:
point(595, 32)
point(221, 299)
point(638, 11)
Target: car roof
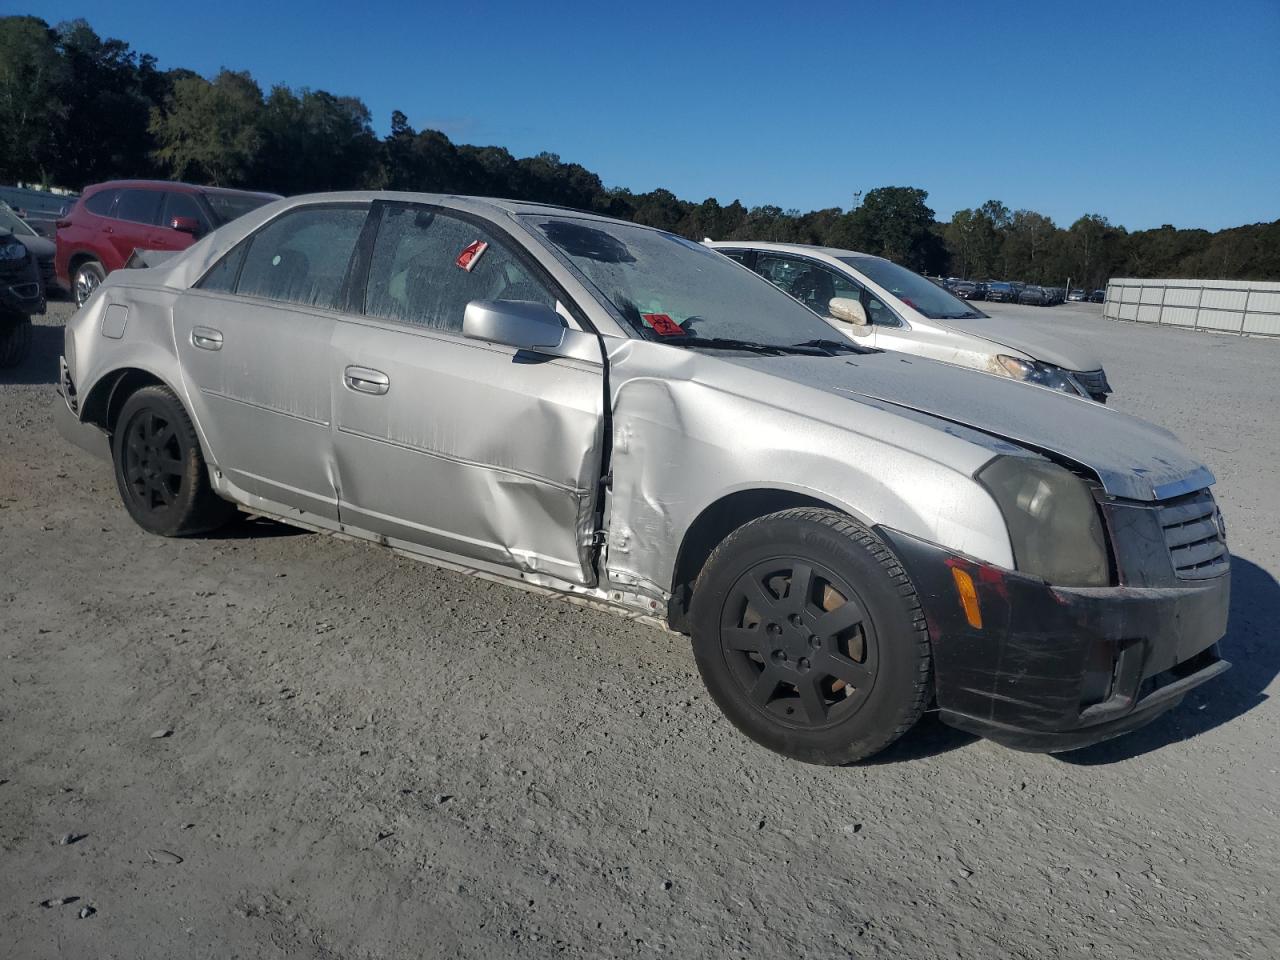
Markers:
point(176, 185)
point(800, 248)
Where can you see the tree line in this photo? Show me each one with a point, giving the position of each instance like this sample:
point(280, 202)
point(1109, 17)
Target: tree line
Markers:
point(77, 109)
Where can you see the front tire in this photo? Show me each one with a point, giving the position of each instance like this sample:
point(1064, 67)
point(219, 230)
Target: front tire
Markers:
point(15, 341)
point(160, 471)
point(809, 636)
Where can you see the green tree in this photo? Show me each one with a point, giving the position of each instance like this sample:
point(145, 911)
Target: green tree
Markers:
point(210, 132)
point(31, 75)
point(314, 141)
point(894, 222)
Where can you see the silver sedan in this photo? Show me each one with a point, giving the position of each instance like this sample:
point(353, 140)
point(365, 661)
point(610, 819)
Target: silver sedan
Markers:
point(608, 412)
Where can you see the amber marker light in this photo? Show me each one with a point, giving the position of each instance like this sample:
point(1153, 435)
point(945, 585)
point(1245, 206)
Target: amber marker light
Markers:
point(968, 597)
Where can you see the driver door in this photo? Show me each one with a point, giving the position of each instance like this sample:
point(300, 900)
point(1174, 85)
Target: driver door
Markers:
point(450, 445)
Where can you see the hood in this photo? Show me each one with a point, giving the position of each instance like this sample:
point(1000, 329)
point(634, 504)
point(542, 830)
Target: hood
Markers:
point(1130, 457)
point(1028, 338)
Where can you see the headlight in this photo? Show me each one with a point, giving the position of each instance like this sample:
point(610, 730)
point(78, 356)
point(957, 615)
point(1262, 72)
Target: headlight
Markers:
point(1041, 374)
point(12, 250)
point(1053, 522)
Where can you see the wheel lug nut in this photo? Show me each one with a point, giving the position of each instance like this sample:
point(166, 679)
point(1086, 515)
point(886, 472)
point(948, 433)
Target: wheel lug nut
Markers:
point(803, 664)
point(795, 619)
point(815, 642)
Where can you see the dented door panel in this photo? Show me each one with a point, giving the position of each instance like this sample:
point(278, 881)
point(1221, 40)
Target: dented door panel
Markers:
point(475, 449)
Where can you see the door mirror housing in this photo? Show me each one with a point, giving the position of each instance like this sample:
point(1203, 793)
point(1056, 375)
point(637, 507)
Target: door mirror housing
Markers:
point(185, 225)
point(523, 324)
point(848, 310)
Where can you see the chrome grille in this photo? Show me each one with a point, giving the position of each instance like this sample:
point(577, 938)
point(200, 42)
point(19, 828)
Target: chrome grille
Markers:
point(1193, 534)
point(1093, 381)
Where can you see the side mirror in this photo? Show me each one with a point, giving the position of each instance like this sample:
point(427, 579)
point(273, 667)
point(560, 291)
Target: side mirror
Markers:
point(522, 324)
point(185, 225)
point(848, 310)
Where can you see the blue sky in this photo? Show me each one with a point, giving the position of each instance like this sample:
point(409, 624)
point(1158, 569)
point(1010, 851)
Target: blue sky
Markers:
point(1145, 112)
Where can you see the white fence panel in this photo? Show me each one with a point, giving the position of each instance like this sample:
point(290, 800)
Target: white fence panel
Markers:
point(1224, 306)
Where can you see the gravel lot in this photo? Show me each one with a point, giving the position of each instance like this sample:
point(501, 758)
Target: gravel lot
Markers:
point(370, 757)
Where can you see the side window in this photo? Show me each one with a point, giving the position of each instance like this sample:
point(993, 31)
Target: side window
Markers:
point(427, 266)
point(139, 206)
point(222, 277)
point(813, 285)
point(302, 256)
point(183, 205)
point(739, 255)
point(100, 203)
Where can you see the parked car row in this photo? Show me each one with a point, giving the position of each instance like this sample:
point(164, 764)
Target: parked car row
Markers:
point(849, 535)
point(1002, 291)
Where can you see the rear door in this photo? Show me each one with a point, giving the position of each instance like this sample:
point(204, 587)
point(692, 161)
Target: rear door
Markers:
point(136, 216)
point(254, 338)
point(472, 449)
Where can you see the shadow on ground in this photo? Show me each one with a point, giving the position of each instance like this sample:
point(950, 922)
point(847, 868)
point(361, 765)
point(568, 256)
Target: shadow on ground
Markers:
point(41, 365)
point(1255, 657)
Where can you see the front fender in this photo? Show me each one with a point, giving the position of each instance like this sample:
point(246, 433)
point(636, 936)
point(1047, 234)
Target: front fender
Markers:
point(683, 443)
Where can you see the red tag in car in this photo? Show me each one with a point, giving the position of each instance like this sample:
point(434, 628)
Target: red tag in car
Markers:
point(663, 325)
point(470, 254)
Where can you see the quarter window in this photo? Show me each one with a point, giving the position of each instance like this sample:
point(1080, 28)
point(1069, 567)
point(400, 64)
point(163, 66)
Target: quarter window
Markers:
point(427, 266)
point(139, 206)
point(302, 257)
point(100, 203)
point(222, 277)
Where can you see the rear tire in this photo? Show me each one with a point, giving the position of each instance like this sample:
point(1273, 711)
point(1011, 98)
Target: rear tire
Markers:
point(15, 341)
point(160, 470)
point(809, 636)
point(88, 277)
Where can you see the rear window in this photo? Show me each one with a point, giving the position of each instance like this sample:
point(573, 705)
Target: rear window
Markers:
point(227, 206)
point(100, 202)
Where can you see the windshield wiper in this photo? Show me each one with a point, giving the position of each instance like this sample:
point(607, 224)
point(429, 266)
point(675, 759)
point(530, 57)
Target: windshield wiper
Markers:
point(729, 343)
point(834, 346)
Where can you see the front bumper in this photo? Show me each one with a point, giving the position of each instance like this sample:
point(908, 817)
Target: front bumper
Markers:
point(1055, 668)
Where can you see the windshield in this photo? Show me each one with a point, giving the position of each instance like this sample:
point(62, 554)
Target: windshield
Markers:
point(667, 288)
point(227, 206)
point(917, 292)
point(13, 222)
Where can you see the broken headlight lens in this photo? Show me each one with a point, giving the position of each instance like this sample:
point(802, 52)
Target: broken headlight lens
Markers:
point(1033, 371)
point(1054, 525)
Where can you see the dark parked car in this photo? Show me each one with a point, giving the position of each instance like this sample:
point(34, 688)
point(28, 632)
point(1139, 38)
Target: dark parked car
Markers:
point(39, 208)
point(40, 247)
point(1034, 296)
point(1000, 292)
point(21, 295)
point(965, 289)
point(111, 220)
point(1098, 296)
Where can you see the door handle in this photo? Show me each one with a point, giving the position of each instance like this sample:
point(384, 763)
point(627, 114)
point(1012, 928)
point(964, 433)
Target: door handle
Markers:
point(206, 338)
point(364, 380)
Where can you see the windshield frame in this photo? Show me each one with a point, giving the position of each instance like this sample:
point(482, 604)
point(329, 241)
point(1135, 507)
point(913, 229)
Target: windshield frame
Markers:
point(850, 261)
point(782, 337)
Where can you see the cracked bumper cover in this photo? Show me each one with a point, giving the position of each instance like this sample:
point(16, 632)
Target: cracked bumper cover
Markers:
point(1055, 668)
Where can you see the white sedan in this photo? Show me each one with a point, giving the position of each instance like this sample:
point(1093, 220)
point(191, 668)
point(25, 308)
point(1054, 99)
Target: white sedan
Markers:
point(877, 303)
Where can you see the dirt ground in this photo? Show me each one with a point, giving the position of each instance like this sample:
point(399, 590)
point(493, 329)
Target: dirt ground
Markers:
point(274, 744)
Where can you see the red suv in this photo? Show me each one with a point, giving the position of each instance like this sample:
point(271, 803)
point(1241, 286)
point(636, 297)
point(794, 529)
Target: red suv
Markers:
point(111, 220)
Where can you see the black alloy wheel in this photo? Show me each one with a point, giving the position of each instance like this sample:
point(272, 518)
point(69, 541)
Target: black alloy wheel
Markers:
point(160, 470)
point(809, 636)
point(798, 641)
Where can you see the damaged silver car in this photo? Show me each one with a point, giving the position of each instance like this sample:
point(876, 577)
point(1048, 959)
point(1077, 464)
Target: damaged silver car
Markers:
point(608, 412)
